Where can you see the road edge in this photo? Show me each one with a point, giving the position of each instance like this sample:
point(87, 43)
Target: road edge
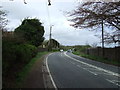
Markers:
point(47, 77)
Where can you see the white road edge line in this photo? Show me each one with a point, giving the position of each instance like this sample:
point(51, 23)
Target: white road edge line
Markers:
point(110, 72)
point(112, 82)
point(50, 73)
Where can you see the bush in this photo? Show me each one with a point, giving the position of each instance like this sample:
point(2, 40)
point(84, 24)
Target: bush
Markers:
point(24, 52)
point(14, 54)
point(55, 50)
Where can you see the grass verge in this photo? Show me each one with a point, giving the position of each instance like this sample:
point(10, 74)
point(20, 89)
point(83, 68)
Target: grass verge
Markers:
point(27, 68)
point(97, 58)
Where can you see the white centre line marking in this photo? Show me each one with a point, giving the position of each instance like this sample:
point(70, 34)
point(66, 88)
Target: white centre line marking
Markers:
point(72, 62)
point(78, 66)
point(91, 71)
point(87, 70)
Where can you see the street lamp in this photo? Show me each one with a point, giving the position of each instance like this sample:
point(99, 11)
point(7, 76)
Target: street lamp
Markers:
point(49, 3)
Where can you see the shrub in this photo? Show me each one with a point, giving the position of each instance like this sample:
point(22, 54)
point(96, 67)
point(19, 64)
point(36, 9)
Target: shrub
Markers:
point(14, 54)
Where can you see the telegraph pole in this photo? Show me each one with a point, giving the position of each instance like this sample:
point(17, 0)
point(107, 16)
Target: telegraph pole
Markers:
point(102, 38)
point(50, 32)
point(50, 37)
point(49, 43)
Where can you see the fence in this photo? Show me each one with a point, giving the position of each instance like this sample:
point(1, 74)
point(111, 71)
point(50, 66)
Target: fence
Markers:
point(109, 53)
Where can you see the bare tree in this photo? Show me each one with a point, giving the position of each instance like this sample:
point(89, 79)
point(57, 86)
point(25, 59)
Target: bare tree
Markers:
point(112, 38)
point(3, 20)
point(97, 14)
point(92, 14)
point(94, 45)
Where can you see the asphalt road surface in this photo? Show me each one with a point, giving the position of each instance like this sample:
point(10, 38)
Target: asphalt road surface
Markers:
point(71, 71)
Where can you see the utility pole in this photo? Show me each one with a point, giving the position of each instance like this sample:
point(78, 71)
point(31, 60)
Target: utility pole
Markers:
point(50, 32)
point(50, 37)
point(102, 38)
point(49, 43)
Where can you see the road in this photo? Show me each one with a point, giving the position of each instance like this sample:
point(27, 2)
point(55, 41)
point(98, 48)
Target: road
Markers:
point(71, 71)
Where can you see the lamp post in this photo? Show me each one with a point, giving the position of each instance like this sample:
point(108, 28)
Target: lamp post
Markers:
point(49, 3)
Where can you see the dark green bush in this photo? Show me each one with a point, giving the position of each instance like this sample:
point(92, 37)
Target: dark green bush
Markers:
point(14, 53)
point(54, 50)
point(24, 52)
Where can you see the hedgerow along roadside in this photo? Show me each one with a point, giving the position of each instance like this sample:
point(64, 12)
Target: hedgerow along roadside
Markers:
point(23, 74)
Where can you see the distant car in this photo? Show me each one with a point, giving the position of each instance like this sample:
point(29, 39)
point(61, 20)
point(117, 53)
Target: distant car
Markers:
point(61, 50)
point(69, 50)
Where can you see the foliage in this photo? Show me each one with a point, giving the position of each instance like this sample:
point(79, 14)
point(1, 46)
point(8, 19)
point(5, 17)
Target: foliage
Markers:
point(14, 56)
point(45, 43)
point(54, 43)
point(15, 53)
point(27, 68)
point(92, 14)
point(17, 50)
point(51, 44)
point(81, 48)
point(113, 37)
point(31, 31)
point(3, 20)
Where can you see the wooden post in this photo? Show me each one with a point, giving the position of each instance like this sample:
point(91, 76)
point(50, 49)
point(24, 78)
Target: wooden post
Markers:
point(102, 39)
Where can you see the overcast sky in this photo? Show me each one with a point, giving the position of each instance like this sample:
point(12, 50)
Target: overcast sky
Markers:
point(49, 15)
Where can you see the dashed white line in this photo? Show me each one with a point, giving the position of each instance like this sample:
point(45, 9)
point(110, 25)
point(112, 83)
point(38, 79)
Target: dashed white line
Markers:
point(101, 69)
point(61, 54)
point(87, 70)
point(72, 62)
point(91, 71)
point(50, 73)
point(78, 66)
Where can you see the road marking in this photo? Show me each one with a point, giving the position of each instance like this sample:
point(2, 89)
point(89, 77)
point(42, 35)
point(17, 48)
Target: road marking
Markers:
point(101, 69)
point(72, 62)
point(87, 70)
point(61, 54)
point(50, 73)
point(79, 66)
point(112, 81)
point(90, 71)
point(116, 81)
